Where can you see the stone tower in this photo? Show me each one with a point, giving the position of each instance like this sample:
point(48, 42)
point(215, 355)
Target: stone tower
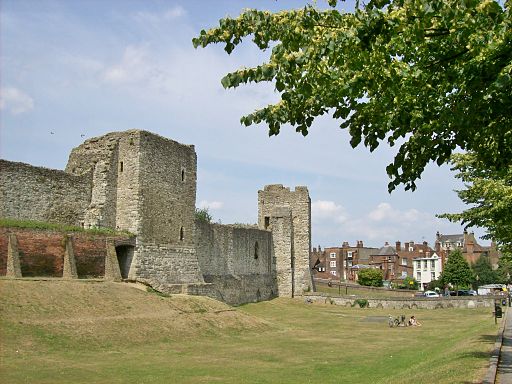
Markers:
point(288, 215)
point(145, 184)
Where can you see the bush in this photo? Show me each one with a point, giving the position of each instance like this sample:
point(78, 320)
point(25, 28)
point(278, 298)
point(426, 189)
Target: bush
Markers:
point(203, 214)
point(409, 283)
point(363, 303)
point(370, 277)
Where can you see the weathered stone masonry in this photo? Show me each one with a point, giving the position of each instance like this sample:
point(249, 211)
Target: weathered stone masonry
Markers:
point(146, 184)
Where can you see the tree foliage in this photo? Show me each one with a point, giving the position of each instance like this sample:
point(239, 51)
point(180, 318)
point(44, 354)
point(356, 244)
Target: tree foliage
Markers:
point(428, 76)
point(203, 215)
point(483, 270)
point(489, 194)
point(370, 277)
point(457, 271)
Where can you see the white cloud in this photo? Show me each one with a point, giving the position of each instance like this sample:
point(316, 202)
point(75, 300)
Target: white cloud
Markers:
point(385, 212)
point(134, 67)
point(328, 210)
point(155, 19)
point(213, 205)
point(15, 101)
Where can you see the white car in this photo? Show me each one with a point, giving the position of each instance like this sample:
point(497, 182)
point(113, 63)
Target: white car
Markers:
point(431, 294)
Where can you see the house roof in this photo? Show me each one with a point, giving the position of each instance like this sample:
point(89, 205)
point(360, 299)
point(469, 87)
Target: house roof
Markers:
point(386, 250)
point(451, 238)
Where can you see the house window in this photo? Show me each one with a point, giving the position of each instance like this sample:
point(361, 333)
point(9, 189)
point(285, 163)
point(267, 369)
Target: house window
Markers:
point(350, 263)
point(349, 254)
point(333, 263)
point(432, 264)
point(182, 234)
point(121, 166)
point(267, 222)
point(425, 263)
point(332, 255)
point(418, 276)
point(182, 175)
point(418, 264)
point(459, 244)
point(333, 273)
point(404, 262)
point(256, 250)
point(404, 274)
point(432, 276)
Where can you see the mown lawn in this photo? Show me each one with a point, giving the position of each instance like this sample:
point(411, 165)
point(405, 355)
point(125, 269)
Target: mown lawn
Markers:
point(109, 333)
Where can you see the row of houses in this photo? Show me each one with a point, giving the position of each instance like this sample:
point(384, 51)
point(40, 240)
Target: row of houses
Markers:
point(398, 261)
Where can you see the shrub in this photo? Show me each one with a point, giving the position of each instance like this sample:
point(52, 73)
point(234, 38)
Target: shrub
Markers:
point(203, 215)
point(370, 277)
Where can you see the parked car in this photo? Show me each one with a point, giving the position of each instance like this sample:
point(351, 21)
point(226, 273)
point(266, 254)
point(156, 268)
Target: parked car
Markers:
point(463, 292)
point(431, 294)
point(472, 292)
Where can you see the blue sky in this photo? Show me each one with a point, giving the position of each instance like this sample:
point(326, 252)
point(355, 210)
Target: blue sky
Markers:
point(74, 69)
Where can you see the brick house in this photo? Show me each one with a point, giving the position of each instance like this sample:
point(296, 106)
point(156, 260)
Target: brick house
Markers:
point(396, 262)
point(470, 248)
point(338, 262)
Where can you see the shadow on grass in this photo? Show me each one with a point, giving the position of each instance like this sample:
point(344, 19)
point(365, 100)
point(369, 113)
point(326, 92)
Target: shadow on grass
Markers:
point(487, 338)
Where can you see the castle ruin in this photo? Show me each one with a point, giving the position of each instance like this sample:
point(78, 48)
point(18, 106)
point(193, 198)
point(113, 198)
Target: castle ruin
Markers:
point(145, 184)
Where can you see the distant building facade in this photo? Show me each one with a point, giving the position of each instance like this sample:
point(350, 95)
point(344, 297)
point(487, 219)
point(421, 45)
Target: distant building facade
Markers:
point(340, 263)
point(396, 262)
point(469, 247)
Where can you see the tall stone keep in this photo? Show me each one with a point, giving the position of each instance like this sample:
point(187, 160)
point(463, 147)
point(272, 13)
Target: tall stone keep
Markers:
point(288, 215)
point(145, 184)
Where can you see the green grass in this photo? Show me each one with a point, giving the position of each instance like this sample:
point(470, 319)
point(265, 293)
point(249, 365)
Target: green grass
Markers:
point(360, 291)
point(30, 224)
point(109, 333)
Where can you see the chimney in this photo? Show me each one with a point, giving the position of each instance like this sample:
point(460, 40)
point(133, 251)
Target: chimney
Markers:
point(398, 244)
point(425, 244)
point(470, 247)
point(438, 247)
point(406, 246)
point(314, 250)
point(361, 244)
point(386, 244)
point(345, 244)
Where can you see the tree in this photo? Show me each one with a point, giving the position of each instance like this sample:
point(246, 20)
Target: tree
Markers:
point(370, 277)
point(489, 194)
point(203, 214)
point(428, 76)
point(504, 272)
point(457, 270)
point(409, 283)
point(483, 269)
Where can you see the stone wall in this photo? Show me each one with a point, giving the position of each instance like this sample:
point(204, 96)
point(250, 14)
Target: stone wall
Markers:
point(299, 203)
point(98, 156)
point(406, 303)
point(165, 249)
point(238, 261)
point(41, 194)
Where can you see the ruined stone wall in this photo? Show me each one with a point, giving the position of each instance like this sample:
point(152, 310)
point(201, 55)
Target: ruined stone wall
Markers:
point(238, 261)
point(298, 201)
point(98, 156)
point(41, 194)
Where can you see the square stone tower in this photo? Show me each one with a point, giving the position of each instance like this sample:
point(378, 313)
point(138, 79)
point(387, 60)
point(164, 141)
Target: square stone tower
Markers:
point(288, 215)
point(145, 184)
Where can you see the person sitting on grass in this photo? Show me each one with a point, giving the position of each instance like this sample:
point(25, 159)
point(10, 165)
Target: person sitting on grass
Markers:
point(413, 322)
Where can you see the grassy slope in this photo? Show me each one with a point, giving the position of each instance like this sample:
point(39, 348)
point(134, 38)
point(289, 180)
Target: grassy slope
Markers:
point(82, 332)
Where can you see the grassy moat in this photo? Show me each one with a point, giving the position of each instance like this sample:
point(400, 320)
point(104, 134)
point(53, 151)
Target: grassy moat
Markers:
point(97, 332)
